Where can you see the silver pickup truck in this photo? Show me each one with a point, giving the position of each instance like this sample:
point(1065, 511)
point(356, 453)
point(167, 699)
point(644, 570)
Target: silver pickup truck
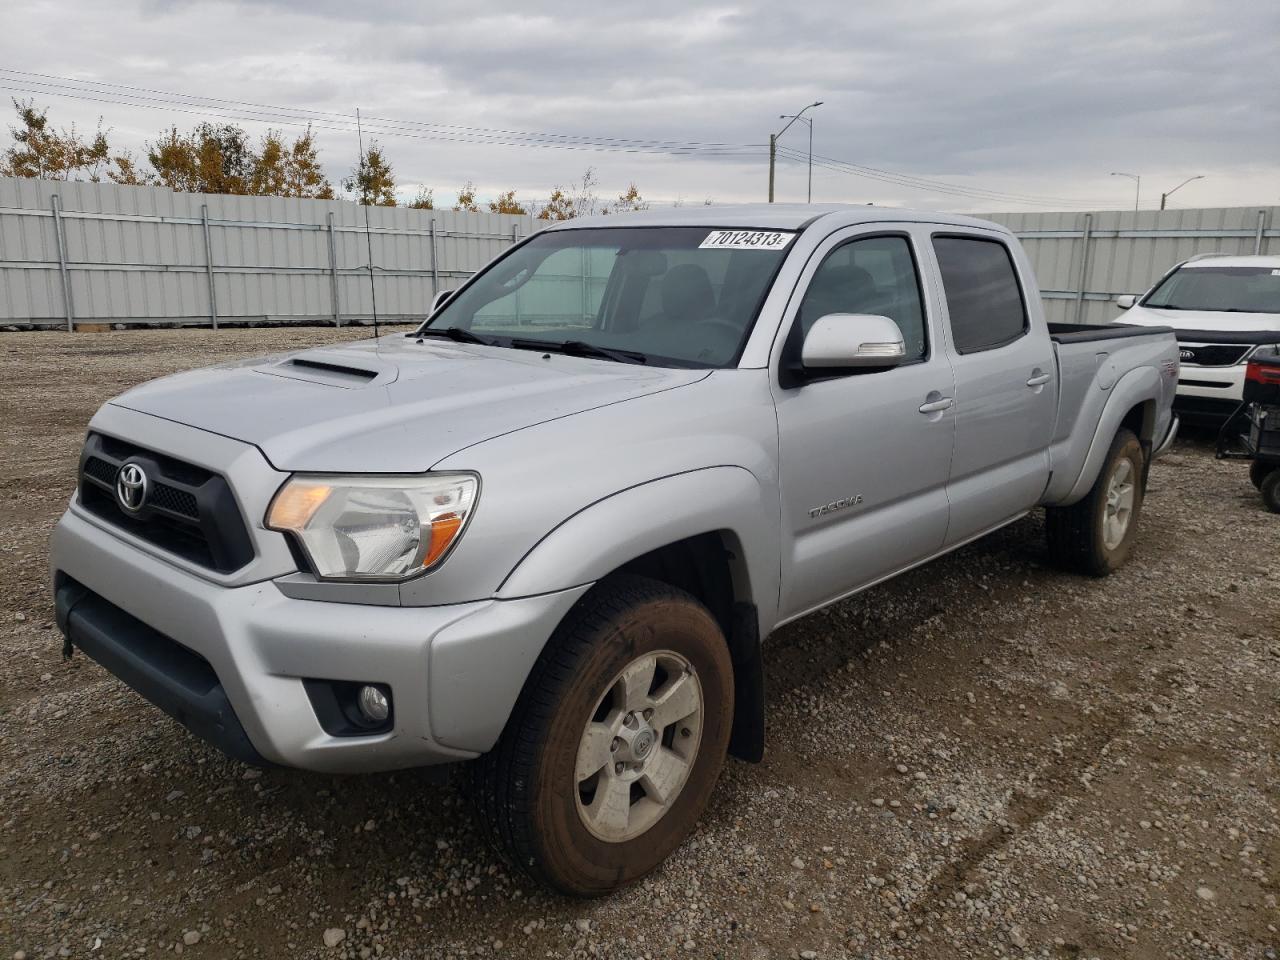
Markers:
point(548, 530)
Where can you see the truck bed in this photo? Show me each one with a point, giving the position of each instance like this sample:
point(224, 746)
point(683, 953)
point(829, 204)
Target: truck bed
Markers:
point(1091, 360)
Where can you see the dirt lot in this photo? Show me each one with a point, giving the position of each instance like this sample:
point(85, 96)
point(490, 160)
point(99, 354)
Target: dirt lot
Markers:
point(982, 758)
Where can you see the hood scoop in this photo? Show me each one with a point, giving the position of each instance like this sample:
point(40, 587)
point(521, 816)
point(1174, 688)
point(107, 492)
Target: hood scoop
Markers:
point(333, 370)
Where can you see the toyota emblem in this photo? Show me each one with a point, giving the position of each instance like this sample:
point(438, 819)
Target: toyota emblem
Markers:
point(131, 487)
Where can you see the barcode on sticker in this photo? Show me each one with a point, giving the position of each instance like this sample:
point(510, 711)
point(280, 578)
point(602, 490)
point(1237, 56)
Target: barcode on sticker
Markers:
point(746, 240)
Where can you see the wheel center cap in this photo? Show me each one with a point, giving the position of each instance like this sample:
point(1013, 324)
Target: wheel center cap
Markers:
point(642, 743)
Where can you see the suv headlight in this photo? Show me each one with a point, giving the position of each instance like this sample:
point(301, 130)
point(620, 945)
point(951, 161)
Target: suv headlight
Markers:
point(374, 527)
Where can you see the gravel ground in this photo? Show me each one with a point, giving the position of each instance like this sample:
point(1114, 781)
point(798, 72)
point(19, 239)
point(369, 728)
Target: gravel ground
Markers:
point(983, 758)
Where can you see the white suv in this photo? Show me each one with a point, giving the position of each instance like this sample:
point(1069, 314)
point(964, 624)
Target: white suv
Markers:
point(1222, 308)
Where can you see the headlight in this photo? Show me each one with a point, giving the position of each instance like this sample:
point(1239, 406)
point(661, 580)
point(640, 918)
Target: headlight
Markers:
point(371, 527)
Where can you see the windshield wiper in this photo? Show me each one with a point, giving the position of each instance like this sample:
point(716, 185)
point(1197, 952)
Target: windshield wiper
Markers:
point(579, 348)
point(458, 334)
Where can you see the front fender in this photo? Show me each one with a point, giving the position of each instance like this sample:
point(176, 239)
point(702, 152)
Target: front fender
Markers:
point(1080, 467)
point(606, 534)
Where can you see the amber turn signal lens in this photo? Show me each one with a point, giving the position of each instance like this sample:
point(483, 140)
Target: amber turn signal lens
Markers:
point(296, 504)
point(443, 529)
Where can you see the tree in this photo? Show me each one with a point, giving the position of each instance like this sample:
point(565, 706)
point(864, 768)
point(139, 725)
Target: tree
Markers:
point(507, 203)
point(467, 198)
point(39, 150)
point(125, 171)
point(372, 181)
point(210, 159)
point(425, 200)
point(577, 200)
point(292, 170)
point(629, 202)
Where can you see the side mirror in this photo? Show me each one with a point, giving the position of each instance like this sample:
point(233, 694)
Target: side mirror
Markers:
point(438, 300)
point(852, 341)
point(1126, 300)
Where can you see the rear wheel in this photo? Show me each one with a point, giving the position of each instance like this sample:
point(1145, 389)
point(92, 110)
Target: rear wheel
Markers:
point(1095, 535)
point(1271, 490)
point(616, 742)
point(1258, 472)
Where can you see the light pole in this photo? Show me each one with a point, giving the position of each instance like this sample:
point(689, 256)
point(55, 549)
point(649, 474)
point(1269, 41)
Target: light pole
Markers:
point(1166, 196)
point(773, 145)
point(1137, 187)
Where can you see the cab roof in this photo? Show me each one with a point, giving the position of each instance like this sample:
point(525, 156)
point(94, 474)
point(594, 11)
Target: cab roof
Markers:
point(773, 216)
point(1229, 260)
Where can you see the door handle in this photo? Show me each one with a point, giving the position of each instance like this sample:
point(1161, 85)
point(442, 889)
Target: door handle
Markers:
point(933, 406)
point(1038, 380)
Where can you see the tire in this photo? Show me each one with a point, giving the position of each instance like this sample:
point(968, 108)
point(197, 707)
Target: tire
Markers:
point(535, 791)
point(1258, 472)
point(1271, 490)
point(1096, 535)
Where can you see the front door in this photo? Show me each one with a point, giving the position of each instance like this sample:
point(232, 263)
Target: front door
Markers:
point(864, 456)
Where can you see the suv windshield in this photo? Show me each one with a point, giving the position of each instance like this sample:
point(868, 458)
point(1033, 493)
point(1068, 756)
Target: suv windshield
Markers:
point(676, 296)
point(1225, 289)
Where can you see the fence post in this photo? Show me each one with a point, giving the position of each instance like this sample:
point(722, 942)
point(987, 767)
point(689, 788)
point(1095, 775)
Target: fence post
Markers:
point(333, 274)
point(435, 267)
point(1086, 235)
point(1257, 237)
point(60, 238)
point(208, 265)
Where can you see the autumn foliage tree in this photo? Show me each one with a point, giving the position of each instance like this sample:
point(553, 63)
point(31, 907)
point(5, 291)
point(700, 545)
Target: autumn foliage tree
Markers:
point(507, 203)
point(467, 199)
point(39, 150)
point(425, 199)
point(372, 183)
point(576, 200)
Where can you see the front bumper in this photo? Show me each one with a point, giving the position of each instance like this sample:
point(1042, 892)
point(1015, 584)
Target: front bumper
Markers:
point(1225, 384)
point(454, 671)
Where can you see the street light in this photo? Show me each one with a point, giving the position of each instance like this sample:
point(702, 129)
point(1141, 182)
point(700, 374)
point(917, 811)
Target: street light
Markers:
point(1166, 196)
point(773, 145)
point(1137, 186)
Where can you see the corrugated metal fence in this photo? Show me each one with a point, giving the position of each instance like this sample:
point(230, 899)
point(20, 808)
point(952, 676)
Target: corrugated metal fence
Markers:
point(1084, 260)
point(87, 254)
point(83, 254)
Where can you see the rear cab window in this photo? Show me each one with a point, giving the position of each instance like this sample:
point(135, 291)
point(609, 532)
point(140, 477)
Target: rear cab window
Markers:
point(984, 299)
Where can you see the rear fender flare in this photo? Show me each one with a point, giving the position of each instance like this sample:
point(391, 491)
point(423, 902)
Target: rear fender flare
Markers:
point(1134, 388)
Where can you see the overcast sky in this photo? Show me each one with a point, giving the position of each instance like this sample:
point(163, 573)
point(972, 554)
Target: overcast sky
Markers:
point(1039, 99)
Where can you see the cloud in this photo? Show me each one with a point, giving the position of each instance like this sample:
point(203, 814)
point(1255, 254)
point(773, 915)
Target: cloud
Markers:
point(1030, 99)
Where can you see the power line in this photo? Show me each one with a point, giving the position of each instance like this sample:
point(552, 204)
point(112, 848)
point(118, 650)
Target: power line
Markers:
point(327, 120)
point(930, 185)
point(118, 94)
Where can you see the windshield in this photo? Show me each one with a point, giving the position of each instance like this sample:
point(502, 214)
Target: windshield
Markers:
point(676, 296)
point(1226, 289)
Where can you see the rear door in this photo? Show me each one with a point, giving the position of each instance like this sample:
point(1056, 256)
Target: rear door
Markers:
point(1005, 384)
point(864, 456)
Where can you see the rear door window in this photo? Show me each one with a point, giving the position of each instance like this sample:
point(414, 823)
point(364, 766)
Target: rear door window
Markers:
point(984, 299)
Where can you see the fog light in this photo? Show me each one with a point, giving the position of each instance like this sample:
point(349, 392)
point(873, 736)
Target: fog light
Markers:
point(374, 705)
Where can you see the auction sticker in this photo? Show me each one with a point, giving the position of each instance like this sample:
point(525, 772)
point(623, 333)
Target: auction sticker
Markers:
point(746, 240)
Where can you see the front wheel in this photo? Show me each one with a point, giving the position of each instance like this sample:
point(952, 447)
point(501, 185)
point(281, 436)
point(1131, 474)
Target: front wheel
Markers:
point(616, 742)
point(1095, 535)
point(1258, 472)
point(1271, 490)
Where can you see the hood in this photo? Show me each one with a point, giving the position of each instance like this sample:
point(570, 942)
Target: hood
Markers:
point(391, 405)
point(1202, 320)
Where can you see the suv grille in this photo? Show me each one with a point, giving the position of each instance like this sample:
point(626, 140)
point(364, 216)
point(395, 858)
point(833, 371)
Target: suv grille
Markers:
point(1214, 354)
point(188, 510)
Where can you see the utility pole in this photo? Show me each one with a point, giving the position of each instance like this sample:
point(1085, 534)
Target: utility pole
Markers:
point(1166, 196)
point(773, 156)
point(773, 145)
